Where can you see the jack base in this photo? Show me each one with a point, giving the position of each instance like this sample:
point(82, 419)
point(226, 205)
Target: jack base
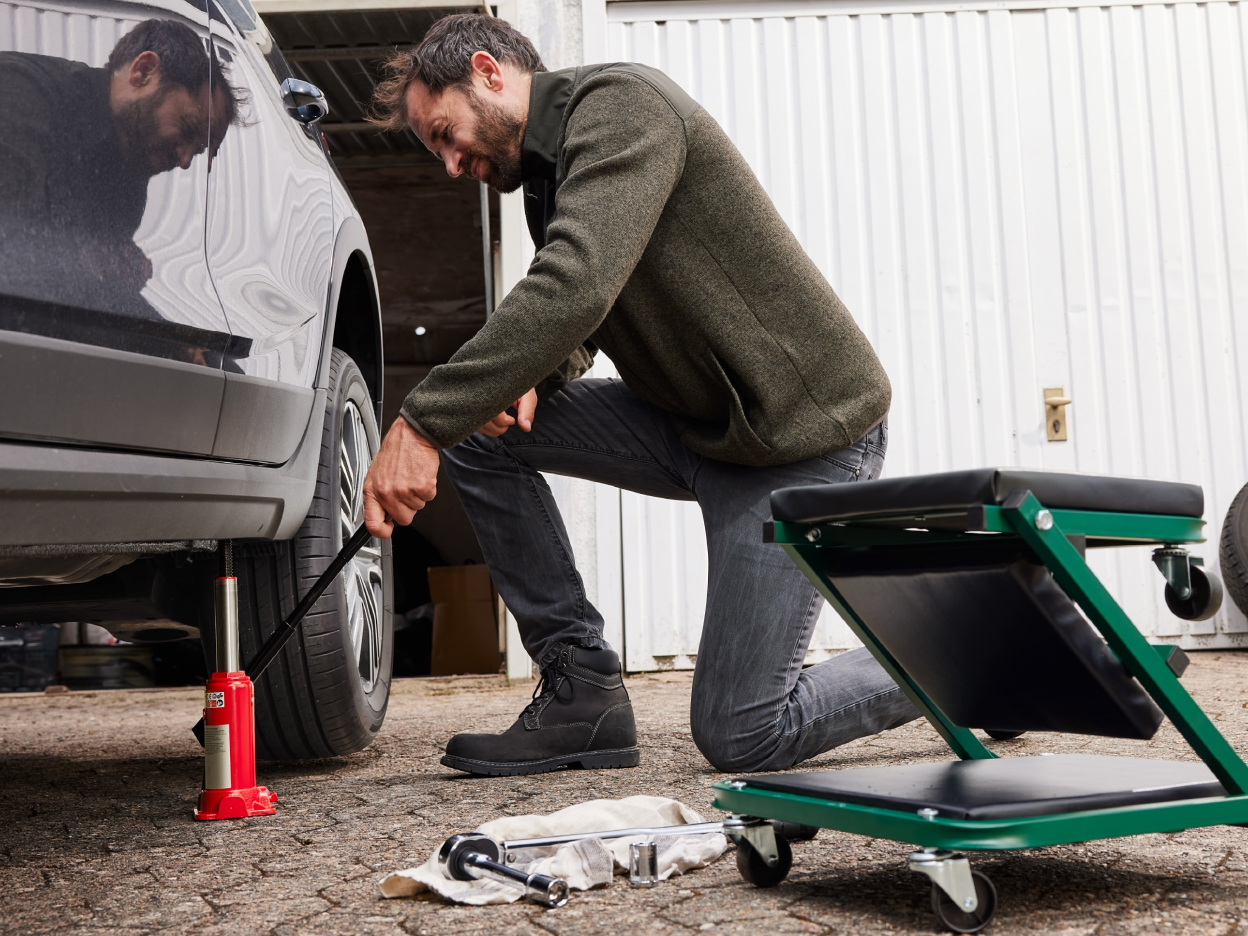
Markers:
point(236, 804)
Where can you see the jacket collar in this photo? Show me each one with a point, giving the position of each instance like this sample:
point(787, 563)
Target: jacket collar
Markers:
point(549, 93)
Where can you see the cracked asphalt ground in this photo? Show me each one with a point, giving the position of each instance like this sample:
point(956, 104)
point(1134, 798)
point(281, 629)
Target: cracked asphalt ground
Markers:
point(96, 834)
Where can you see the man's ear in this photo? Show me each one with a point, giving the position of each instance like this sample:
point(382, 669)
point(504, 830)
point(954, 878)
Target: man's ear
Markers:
point(145, 70)
point(487, 71)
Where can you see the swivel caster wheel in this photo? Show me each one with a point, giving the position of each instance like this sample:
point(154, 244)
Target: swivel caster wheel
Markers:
point(756, 870)
point(1204, 601)
point(962, 921)
point(999, 734)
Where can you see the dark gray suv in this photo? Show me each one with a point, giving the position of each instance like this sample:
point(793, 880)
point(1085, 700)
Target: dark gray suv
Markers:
point(190, 350)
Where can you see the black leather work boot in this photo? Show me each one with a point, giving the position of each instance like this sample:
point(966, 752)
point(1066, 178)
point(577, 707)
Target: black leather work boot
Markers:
point(580, 716)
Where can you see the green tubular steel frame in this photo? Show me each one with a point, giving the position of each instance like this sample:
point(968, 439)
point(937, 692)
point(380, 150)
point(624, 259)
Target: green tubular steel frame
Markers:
point(1017, 517)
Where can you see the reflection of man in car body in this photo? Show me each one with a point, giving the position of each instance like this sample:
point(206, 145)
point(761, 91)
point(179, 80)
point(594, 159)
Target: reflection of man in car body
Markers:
point(78, 148)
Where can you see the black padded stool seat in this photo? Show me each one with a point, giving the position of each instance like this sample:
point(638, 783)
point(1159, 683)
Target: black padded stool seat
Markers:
point(1007, 787)
point(960, 490)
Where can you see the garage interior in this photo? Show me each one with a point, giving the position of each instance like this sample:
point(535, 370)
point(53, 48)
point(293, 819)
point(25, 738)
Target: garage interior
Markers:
point(426, 235)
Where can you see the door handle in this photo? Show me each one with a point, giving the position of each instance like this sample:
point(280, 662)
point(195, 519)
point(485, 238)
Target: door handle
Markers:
point(304, 101)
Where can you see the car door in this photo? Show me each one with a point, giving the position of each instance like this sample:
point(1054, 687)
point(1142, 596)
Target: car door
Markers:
point(270, 244)
point(111, 333)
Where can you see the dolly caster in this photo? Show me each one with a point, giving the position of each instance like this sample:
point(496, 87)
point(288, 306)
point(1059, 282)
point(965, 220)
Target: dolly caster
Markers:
point(998, 734)
point(1202, 602)
point(962, 921)
point(1192, 593)
point(755, 869)
point(964, 900)
point(763, 857)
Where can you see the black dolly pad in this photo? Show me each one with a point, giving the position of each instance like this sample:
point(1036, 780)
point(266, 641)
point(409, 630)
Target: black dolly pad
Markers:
point(960, 490)
point(1005, 788)
point(992, 639)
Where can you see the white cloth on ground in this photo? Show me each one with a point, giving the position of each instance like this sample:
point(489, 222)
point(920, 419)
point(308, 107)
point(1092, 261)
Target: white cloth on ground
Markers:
point(584, 864)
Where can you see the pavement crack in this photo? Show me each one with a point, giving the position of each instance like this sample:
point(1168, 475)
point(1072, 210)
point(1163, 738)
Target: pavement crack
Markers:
point(823, 927)
point(539, 921)
point(211, 906)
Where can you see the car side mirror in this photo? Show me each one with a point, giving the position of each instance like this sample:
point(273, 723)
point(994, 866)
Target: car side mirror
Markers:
point(304, 101)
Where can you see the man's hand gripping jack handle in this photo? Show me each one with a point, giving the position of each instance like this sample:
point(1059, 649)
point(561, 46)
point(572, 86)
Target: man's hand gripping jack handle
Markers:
point(402, 479)
point(404, 475)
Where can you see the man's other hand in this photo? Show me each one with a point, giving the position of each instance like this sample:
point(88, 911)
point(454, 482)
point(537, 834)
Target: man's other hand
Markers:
point(525, 407)
point(402, 479)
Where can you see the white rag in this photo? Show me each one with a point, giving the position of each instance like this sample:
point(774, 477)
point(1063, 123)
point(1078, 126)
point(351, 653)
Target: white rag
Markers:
point(584, 864)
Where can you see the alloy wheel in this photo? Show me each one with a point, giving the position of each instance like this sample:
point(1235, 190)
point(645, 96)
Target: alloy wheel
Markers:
point(363, 574)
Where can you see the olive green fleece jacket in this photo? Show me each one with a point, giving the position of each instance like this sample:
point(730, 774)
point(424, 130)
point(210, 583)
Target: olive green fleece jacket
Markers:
point(663, 251)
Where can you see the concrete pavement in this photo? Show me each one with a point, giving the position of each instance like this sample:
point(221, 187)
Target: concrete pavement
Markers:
point(96, 834)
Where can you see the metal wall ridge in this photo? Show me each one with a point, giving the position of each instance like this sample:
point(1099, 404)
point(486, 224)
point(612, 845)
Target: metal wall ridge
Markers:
point(662, 11)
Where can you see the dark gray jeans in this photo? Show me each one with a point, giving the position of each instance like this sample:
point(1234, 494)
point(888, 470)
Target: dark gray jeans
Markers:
point(754, 706)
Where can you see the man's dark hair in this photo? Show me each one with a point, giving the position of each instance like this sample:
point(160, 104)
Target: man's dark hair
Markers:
point(184, 63)
point(183, 57)
point(444, 60)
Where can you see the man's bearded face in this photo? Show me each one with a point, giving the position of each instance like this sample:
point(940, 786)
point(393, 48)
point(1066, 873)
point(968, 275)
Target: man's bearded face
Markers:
point(498, 140)
point(166, 129)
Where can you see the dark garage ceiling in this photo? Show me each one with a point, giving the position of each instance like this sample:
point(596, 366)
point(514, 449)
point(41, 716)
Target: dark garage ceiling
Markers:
point(342, 53)
point(424, 227)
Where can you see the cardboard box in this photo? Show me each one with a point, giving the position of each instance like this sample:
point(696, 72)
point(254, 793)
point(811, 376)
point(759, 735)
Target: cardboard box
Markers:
point(460, 583)
point(465, 624)
point(121, 666)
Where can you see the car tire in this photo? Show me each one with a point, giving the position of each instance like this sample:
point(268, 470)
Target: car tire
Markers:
point(1233, 550)
point(326, 693)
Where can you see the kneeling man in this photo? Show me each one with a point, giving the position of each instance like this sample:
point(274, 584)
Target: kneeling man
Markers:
point(740, 372)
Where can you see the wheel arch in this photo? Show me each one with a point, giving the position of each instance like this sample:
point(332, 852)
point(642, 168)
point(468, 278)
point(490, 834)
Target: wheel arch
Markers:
point(353, 317)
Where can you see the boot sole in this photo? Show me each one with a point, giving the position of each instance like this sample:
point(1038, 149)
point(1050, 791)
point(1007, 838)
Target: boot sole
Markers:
point(591, 760)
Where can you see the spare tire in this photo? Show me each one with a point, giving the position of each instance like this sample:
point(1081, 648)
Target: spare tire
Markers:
point(1233, 550)
point(326, 693)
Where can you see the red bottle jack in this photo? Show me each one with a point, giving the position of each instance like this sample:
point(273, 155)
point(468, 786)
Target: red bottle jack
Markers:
point(230, 790)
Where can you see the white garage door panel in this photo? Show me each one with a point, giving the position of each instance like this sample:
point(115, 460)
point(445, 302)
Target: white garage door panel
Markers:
point(665, 574)
point(1007, 200)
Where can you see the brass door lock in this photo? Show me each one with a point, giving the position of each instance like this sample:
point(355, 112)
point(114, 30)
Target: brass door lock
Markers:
point(1055, 403)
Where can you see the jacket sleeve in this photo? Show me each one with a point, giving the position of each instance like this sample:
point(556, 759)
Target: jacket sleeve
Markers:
point(581, 360)
point(624, 152)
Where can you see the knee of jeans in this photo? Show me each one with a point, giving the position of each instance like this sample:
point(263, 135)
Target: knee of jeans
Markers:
point(728, 752)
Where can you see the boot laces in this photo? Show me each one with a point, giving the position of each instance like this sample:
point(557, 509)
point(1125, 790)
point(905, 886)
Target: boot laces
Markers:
point(550, 684)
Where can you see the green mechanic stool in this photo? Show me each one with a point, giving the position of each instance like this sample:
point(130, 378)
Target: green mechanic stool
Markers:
point(968, 588)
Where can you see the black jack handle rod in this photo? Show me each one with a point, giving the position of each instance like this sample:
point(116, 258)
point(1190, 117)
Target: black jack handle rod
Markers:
point(284, 631)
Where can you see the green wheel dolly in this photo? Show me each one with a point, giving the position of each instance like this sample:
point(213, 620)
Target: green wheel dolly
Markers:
point(971, 590)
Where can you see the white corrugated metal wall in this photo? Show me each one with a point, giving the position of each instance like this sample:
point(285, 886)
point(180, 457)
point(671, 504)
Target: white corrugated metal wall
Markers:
point(1008, 199)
